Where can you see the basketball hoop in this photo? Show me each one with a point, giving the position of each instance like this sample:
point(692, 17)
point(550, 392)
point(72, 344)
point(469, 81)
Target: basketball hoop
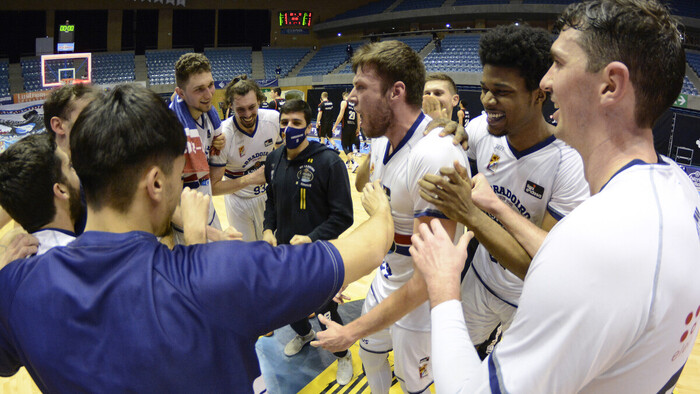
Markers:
point(67, 81)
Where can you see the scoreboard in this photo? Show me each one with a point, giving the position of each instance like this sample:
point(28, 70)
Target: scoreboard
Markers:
point(295, 18)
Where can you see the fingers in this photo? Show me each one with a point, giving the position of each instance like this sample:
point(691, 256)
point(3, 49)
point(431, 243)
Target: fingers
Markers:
point(464, 240)
point(461, 170)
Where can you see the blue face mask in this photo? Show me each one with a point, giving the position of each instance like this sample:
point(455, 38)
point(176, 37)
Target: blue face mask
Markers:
point(293, 136)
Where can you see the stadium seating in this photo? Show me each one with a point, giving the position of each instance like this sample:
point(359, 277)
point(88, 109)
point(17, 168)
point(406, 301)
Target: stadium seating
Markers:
point(407, 5)
point(286, 58)
point(161, 65)
point(31, 73)
point(4, 78)
point(688, 87)
point(326, 59)
point(112, 68)
point(459, 54)
point(226, 63)
point(376, 7)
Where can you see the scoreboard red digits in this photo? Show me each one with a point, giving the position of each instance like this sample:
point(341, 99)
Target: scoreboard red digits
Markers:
point(295, 18)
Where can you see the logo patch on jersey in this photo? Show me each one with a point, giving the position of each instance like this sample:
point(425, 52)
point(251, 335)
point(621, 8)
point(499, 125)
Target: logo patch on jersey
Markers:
point(241, 150)
point(534, 189)
point(690, 325)
point(493, 162)
point(423, 367)
point(387, 191)
point(268, 142)
point(305, 176)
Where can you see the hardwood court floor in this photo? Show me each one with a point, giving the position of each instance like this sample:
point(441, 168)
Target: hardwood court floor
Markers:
point(22, 383)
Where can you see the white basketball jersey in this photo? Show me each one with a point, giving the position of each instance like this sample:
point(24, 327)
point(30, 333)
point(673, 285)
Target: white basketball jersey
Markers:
point(547, 177)
point(400, 172)
point(52, 237)
point(611, 303)
point(245, 153)
point(207, 134)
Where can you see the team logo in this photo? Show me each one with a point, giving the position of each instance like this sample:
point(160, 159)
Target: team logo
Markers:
point(268, 142)
point(387, 191)
point(493, 163)
point(690, 324)
point(534, 189)
point(241, 151)
point(305, 175)
point(423, 367)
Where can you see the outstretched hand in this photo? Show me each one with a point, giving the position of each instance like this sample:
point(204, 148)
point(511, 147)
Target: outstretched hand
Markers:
point(334, 338)
point(433, 108)
point(449, 127)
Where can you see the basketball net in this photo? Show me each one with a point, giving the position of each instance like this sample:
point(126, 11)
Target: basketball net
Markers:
point(67, 81)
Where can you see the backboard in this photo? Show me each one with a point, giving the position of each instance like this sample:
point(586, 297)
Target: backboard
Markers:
point(66, 68)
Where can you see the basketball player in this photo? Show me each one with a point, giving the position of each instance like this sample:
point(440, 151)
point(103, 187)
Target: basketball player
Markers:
point(540, 178)
point(388, 93)
point(463, 115)
point(350, 132)
point(324, 122)
point(443, 88)
point(308, 199)
point(118, 309)
point(202, 126)
point(608, 305)
point(250, 136)
point(277, 99)
point(41, 190)
point(62, 108)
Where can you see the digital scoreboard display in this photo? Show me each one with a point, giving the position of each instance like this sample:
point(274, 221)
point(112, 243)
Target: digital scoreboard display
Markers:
point(295, 19)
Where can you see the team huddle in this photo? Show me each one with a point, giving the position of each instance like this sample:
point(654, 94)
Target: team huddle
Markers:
point(511, 254)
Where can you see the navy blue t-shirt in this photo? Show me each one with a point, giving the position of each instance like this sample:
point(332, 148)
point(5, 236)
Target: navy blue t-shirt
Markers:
point(121, 312)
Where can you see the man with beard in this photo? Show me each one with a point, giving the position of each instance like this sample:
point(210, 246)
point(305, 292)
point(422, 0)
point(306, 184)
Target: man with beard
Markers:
point(202, 126)
point(118, 309)
point(250, 136)
point(40, 190)
point(388, 93)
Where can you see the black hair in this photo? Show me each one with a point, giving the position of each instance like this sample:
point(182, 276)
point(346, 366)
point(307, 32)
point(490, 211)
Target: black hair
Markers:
point(521, 47)
point(297, 105)
point(28, 171)
point(118, 137)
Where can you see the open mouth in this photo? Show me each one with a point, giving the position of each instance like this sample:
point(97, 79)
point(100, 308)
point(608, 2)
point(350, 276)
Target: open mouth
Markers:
point(494, 117)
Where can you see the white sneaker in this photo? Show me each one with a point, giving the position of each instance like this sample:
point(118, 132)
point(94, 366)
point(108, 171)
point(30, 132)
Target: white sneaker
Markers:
point(345, 373)
point(295, 345)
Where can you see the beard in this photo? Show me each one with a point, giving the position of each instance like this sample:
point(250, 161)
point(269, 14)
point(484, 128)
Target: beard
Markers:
point(77, 209)
point(376, 123)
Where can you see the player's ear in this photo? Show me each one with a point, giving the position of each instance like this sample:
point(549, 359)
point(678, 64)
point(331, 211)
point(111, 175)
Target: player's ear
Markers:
point(60, 191)
point(540, 96)
point(180, 92)
point(57, 125)
point(155, 183)
point(397, 89)
point(616, 79)
point(455, 100)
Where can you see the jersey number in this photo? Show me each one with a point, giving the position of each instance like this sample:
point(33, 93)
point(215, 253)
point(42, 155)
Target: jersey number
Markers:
point(259, 189)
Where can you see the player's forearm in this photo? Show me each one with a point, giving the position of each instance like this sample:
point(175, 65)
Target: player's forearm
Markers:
point(364, 249)
point(228, 186)
point(404, 300)
point(362, 175)
point(500, 244)
point(525, 232)
point(456, 365)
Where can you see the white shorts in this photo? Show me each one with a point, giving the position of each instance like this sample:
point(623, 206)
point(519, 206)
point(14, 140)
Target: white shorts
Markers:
point(246, 215)
point(411, 353)
point(483, 311)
